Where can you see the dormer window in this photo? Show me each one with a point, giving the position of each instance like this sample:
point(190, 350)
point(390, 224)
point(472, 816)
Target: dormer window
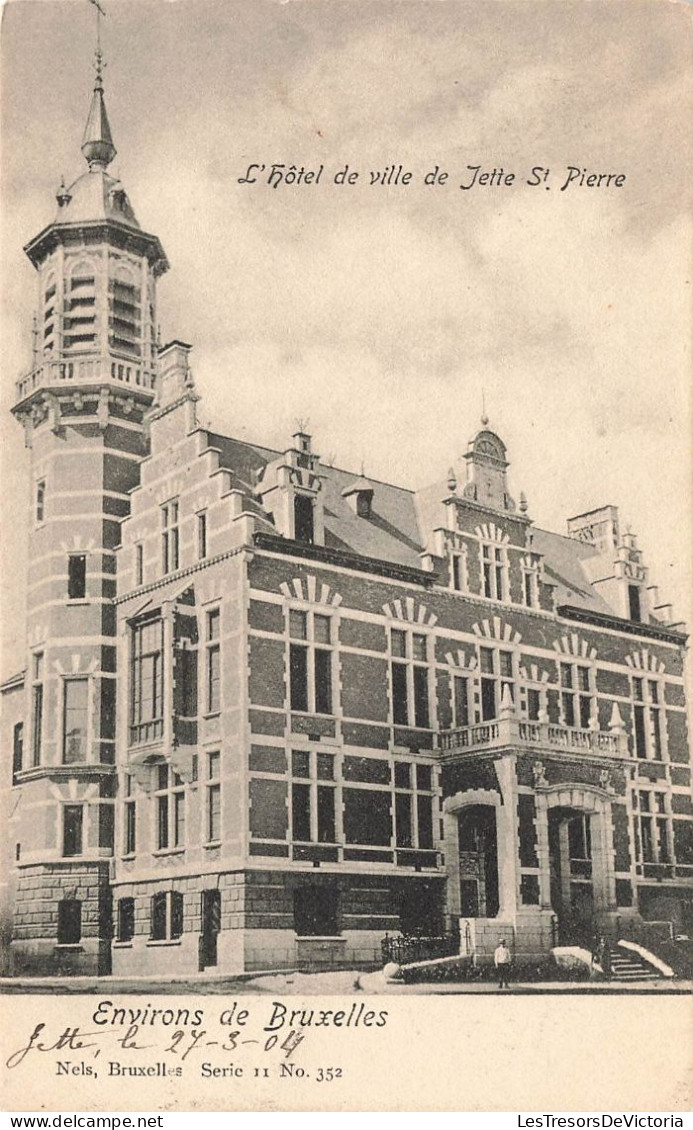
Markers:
point(304, 525)
point(359, 496)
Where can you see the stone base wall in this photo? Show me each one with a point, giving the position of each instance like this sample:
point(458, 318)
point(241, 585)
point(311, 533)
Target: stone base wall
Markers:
point(36, 949)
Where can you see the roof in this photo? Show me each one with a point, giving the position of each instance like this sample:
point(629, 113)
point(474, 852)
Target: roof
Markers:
point(96, 196)
point(401, 520)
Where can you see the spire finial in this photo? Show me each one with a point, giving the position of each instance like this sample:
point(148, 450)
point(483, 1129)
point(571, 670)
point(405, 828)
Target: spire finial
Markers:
point(484, 417)
point(97, 143)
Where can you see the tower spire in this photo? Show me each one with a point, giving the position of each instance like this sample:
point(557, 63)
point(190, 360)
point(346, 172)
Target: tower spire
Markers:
point(97, 143)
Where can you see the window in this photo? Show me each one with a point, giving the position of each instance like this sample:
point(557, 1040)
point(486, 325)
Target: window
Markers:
point(304, 526)
point(124, 316)
point(647, 718)
point(125, 920)
point(460, 701)
point(213, 662)
point(497, 678)
point(313, 793)
point(166, 916)
point(17, 748)
point(40, 509)
point(75, 720)
point(652, 827)
point(457, 572)
point(413, 805)
point(493, 570)
point(576, 695)
point(147, 682)
point(534, 707)
point(634, 609)
point(79, 322)
point(170, 540)
point(76, 576)
point(202, 535)
point(130, 819)
point(73, 820)
point(316, 911)
point(69, 922)
point(213, 803)
point(530, 585)
point(170, 808)
point(310, 662)
point(409, 673)
point(139, 564)
point(37, 709)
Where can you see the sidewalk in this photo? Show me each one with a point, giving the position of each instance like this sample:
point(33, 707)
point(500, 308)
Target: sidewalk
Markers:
point(342, 982)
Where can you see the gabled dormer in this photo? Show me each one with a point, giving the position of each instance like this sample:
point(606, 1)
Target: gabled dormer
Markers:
point(290, 489)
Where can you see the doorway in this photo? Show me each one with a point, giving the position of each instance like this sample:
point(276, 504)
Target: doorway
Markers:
point(478, 855)
point(572, 887)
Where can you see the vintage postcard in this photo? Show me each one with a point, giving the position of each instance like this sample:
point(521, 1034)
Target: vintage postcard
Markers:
point(346, 474)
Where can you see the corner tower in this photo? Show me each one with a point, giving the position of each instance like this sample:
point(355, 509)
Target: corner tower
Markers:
point(82, 405)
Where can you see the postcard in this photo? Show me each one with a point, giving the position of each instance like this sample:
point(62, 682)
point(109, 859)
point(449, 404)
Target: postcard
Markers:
point(346, 559)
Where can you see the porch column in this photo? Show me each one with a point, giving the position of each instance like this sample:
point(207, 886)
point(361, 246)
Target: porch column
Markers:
point(603, 880)
point(507, 837)
point(543, 854)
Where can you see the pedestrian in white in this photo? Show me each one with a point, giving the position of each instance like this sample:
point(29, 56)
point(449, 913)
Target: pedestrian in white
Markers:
point(502, 960)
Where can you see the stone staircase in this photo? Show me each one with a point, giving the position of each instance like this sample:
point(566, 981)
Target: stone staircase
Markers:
point(629, 966)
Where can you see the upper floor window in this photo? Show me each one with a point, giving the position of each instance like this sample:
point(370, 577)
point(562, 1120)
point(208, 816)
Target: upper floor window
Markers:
point(213, 662)
point(409, 674)
point(147, 681)
point(37, 708)
point(170, 536)
point(457, 572)
point(202, 535)
point(497, 678)
point(530, 586)
point(461, 701)
point(493, 569)
point(653, 832)
point(40, 501)
point(17, 749)
point(310, 661)
point(576, 694)
point(647, 718)
point(76, 576)
point(634, 607)
point(170, 808)
point(213, 798)
point(313, 795)
point(413, 805)
point(129, 819)
point(304, 519)
point(167, 916)
point(75, 720)
point(139, 564)
point(73, 827)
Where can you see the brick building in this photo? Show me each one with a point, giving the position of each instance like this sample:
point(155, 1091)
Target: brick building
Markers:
point(273, 710)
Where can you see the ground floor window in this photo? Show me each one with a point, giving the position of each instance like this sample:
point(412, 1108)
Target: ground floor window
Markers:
point(167, 916)
point(126, 920)
point(69, 922)
point(316, 911)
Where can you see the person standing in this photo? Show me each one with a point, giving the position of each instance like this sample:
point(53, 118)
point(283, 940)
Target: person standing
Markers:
point(502, 960)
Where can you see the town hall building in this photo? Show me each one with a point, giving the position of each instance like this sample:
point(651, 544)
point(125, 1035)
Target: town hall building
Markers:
point(273, 711)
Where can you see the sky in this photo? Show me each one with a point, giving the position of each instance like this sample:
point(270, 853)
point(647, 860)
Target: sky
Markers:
point(387, 314)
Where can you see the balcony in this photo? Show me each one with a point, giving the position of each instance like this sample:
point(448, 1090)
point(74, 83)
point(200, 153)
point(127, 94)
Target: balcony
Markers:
point(510, 731)
point(89, 369)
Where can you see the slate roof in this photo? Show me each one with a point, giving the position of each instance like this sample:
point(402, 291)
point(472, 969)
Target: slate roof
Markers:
point(401, 521)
